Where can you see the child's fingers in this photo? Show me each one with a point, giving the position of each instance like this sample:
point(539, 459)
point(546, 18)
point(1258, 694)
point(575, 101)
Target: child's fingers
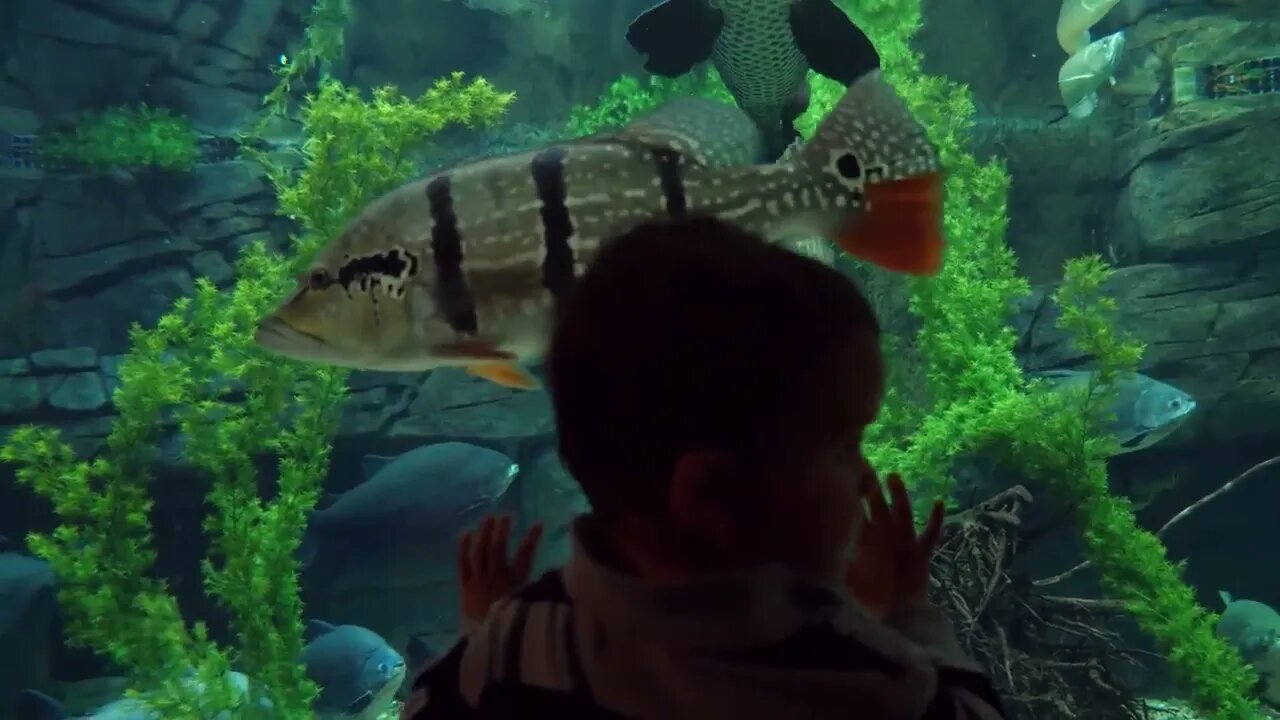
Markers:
point(498, 548)
point(525, 553)
point(877, 510)
point(904, 524)
point(480, 549)
point(465, 572)
point(932, 529)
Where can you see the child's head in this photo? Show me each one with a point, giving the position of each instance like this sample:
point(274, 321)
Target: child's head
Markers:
point(711, 391)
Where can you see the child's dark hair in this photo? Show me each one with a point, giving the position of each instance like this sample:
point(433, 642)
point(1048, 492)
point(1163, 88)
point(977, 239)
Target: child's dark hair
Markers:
point(684, 335)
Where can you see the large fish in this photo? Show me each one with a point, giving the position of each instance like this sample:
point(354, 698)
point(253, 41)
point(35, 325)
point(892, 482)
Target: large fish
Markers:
point(1253, 628)
point(463, 268)
point(1076, 19)
point(1144, 410)
point(1081, 76)
point(409, 512)
point(33, 705)
point(763, 49)
point(357, 672)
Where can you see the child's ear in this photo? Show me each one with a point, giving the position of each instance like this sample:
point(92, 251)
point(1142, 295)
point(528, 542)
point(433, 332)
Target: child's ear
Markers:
point(701, 496)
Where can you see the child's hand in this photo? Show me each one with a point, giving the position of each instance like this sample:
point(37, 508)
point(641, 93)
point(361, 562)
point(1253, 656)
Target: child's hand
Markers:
point(486, 574)
point(891, 568)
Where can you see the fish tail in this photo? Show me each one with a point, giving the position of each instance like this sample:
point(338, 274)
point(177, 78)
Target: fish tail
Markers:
point(876, 158)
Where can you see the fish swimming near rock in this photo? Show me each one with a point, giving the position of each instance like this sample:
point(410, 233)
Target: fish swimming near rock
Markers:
point(1145, 410)
point(409, 513)
point(763, 50)
point(28, 614)
point(33, 705)
point(357, 672)
point(1084, 73)
point(1254, 629)
point(1076, 19)
point(465, 267)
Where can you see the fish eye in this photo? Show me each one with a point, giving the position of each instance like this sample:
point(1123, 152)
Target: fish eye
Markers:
point(1175, 403)
point(319, 279)
point(848, 166)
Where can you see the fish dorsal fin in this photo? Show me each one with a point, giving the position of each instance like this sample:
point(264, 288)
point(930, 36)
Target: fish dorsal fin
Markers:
point(702, 131)
point(35, 705)
point(316, 629)
point(1226, 597)
point(371, 464)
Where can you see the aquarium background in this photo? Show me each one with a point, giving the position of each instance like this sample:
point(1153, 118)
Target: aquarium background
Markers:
point(138, 142)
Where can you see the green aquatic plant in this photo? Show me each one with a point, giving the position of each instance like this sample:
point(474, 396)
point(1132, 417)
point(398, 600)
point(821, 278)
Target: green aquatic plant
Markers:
point(323, 42)
point(628, 97)
point(125, 137)
point(975, 398)
point(978, 400)
point(1067, 450)
point(356, 147)
point(198, 367)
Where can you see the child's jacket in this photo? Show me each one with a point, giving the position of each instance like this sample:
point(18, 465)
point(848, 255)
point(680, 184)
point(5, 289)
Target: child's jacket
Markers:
point(590, 642)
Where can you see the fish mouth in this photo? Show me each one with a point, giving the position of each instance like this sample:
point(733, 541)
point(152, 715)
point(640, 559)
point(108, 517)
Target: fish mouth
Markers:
point(280, 337)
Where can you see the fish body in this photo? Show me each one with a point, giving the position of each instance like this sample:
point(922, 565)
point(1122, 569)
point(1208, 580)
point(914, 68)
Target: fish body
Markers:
point(411, 507)
point(1085, 72)
point(1076, 18)
point(763, 50)
point(464, 268)
point(32, 705)
point(357, 672)
point(1144, 410)
point(1253, 628)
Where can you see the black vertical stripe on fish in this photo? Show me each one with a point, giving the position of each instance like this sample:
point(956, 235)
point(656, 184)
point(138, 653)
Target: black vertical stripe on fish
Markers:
point(452, 294)
point(557, 226)
point(669, 174)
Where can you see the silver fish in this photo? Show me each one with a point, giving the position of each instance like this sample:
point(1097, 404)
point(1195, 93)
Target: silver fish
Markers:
point(1076, 18)
point(763, 49)
point(1145, 410)
point(463, 268)
point(357, 672)
point(1253, 628)
point(1083, 73)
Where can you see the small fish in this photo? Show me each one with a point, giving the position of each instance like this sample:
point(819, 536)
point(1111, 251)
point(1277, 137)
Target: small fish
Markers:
point(1075, 20)
point(1254, 629)
point(412, 508)
point(1146, 410)
point(33, 705)
point(1086, 71)
point(763, 49)
point(465, 267)
point(357, 672)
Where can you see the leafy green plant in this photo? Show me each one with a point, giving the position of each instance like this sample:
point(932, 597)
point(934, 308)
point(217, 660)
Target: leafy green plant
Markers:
point(125, 137)
point(975, 396)
point(627, 97)
point(323, 42)
point(200, 368)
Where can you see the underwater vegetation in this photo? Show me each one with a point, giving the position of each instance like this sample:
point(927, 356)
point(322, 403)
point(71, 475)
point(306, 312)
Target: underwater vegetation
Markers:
point(198, 367)
point(977, 397)
point(126, 137)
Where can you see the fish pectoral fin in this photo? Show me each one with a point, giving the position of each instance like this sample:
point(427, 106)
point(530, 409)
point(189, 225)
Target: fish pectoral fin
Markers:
point(1136, 442)
point(835, 47)
point(360, 703)
point(506, 374)
point(675, 35)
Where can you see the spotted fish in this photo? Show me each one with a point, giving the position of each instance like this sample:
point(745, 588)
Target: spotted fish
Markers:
point(464, 267)
point(763, 49)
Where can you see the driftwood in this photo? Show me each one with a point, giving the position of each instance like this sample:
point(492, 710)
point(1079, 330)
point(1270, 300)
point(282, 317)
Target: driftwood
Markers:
point(1051, 657)
point(1183, 514)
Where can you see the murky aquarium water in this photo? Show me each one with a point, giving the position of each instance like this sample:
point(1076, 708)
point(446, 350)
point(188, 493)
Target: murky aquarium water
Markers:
point(263, 359)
